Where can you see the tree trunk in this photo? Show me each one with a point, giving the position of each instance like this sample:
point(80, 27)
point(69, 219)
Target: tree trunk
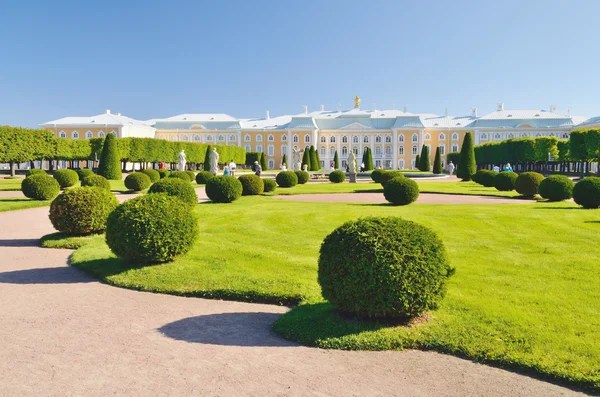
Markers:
point(12, 168)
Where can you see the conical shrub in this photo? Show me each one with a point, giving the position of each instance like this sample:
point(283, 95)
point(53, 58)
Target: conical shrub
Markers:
point(110, 163)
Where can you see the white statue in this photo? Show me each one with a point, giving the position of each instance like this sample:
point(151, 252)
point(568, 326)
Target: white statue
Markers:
point(296, 160)
point(182, 162)
point(214, 161)
point(351, 163)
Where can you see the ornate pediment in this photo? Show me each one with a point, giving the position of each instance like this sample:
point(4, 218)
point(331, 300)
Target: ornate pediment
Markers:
point(197, 127)
point(356, 126)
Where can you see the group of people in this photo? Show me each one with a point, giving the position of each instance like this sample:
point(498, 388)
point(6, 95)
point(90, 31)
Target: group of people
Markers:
point(229, 169)
point(507, 168)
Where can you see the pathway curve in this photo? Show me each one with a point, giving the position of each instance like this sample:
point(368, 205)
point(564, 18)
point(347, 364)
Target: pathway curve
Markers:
point(424, 198)
point(63, 333)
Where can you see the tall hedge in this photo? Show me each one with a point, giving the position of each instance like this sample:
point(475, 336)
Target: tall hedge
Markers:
point(368, 159)
point(318, 159)
point(206, 166)
point(437, 162)
point(263, 162)
point(251, 157)
point(418, 161)
point(425, 163)
point(19, 145)
point(110, 164)
point(284, 160)
point(314, 165)
point(466, 162)
point(306, 159)
point(336, 161)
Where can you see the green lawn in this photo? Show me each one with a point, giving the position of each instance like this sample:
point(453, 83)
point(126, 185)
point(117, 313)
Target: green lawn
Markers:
point(19, 203)
point(526, 293)
point(10, 184)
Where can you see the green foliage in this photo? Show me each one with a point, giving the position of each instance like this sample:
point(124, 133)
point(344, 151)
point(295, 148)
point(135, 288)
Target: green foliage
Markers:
point(191, 174)
point(453, 157)
point(418, 161)
point(401, 191)
point(203, 176)
point(66, 178)
point(84, 173)
point(336, 161)
point(505, 181)
point(564, 153)
point(20, 145)
point(485, 177)
point(110, 164)
point(386, 176)
point(425, 163)
point(556, 188)
point(251, 157)
point(40, 187)
point(368, 159)
point(315, 165)
point(287, 179)
point(251, 185)
point(154, 228)
point(270, 185)
point(577, 148)
point(587, 192)
point(224, 189)
point(337, 176)
point(36, 171)
point(528, 183)
point(176, 187)
point(386, 268)
point(466, 162)
point(437, 162)
point(96, 180)
point(377, 174)
point(154, 175)
point(137, 181)
point(263, 162)
point(184, 176)
point(284, 159)
point(82, 210)
point(303, 177)
point(517, 151)
point(306, 159)
point(164, 173)
point(318, 162)
point(206, 166)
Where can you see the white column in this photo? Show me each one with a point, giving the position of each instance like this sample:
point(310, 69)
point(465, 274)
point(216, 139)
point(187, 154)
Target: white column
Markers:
point(315, 136)
point(239, 134)
point(338, 143)
point(373, 147)
point(394, 149)
point(361, 139)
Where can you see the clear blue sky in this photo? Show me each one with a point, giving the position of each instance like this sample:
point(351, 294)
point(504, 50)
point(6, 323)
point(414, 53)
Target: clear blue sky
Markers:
point(149, 59)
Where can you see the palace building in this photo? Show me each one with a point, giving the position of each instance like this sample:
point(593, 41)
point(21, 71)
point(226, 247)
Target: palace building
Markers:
point(394, 136)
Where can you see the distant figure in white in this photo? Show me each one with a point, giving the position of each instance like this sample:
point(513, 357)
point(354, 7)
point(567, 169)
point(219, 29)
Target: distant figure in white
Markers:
point(451, 168)
point(214, 161)
point(296, 162)
point(351, 163)
point(182, 161)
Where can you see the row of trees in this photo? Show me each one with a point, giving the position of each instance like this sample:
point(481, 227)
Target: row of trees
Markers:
point(311, 159)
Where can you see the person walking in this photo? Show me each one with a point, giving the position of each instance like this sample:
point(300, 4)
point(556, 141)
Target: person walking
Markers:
point(232, 168)
point(508, 168)
point(257, 168)
point(226, 171)
point(451, 168)
point(362, 167)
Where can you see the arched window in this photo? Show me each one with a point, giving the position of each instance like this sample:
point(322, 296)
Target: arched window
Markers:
point(247, 148)
point(271, 164)
point(497, 136)
point(442, 150)
point(378, 139)
point(455, 147)
point(196, 138)
point(344, 150)
point(284, 138)
point(271, 138)
point(185, 138)
point(455, 137)
point(427, 136)
point(295, 139)
point(100, 134)
point(323, 150)
point(378, 151)
point(89, 135)
point(442, 136)
point(283, 149)
point(401, 164)
point(355, 139)
point(75, 135)
point(247, 138)
point(331, 139)
point(258, 138)
point(388, 150)
point(259, 148)
point(412, 164)
point(565, 135)
point(323, 139)
point(232, 138)
point(366, 139)
point(401, 138)
point(209, 138)
point(415, 138)
point(306, 138)
point(415, 150)
point(332, 151)
point(355, 149)
point(344, 139)
point(221, 138)
point(511, 135)
point(484, 136)
point(271, 150)
point(388, 139)
point(62, 134)
point(401, 150)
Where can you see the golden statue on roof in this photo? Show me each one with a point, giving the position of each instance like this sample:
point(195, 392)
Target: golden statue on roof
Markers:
point(356, 102)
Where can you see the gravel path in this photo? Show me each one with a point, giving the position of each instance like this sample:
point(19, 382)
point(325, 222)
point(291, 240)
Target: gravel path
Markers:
point(65, 334)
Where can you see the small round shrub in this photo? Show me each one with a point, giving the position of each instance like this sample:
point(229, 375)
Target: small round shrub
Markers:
point(191, 174)
point(303, 177)
point(251, 185)
point(35, 171)
point(82, 210)
point(528, 183)
point(96, 180)
point(84, 173)
point(401, 191)
point(587, 192)
point(287, 179)
point(164, 173)
point(270, 185)
point(556, 188)
point(485, 177)
point(505, 181)
point(337, 176)
point(181, 175)
point(224, 189)
point(176, 187)
point(203, 176)
point(154, 228)
point(383, 267)
point(386, 176)
point(377, 174)
point(40, 187)
point(152, 174)
point(137, 181)
point(66, 178)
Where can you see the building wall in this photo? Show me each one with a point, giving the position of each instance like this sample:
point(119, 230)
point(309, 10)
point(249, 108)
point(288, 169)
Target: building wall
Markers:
point(84, 132)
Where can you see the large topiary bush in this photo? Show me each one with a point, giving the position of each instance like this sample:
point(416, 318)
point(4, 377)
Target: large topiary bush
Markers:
point(505, 181)
point(152, 174)
point(337, 176)
point(203, 176)
point(191, 174)
point(286, 179)
point(164, 173)
point(137, 181)
point(84, 173)
point(377, 174)
point(401, 191)
point(587, 192)
point(466, 162)
point(66, 178)
point(153, 228)
point(270, 185)
point(383, 268)
point(181, 175)
point(556, 188)
point(388, 175)
point(96, 180)
point(36, 171)
point(224, 189)
point(485, 177)
point(110, 162)
point(82, 210)
point(528, 183)
point(251, 185)
point(40, 187)
point(176, 187)
point(303, 177)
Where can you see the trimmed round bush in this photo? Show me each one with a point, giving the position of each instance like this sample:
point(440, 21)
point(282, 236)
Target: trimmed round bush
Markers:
point(154, 228)
point(66, 178)
point(181, 175)
point(84, 173)
point(164, 173)
point(587, 192)
point(251, 185)
point(383, 267)
point(377, 174)
point(505, 181)
point(40, 187)
point(152, 174)
point(203, 176)
point(401, 191)
point(485, 177)
point(337, 176)
point(137, 181)
point(527, 183)
point(224, 189)
point(96, 180)
point(388, 175)
point(82, 210)
point(35, 171)
point(303, 177)
point(176, 187)
point(556, 188)
point(191, 174)
point(270, 185)
point(286, 179)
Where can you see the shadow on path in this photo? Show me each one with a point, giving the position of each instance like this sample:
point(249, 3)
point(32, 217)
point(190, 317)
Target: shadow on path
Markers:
point(51, 275)
point(227, 329)
point(27, 242)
